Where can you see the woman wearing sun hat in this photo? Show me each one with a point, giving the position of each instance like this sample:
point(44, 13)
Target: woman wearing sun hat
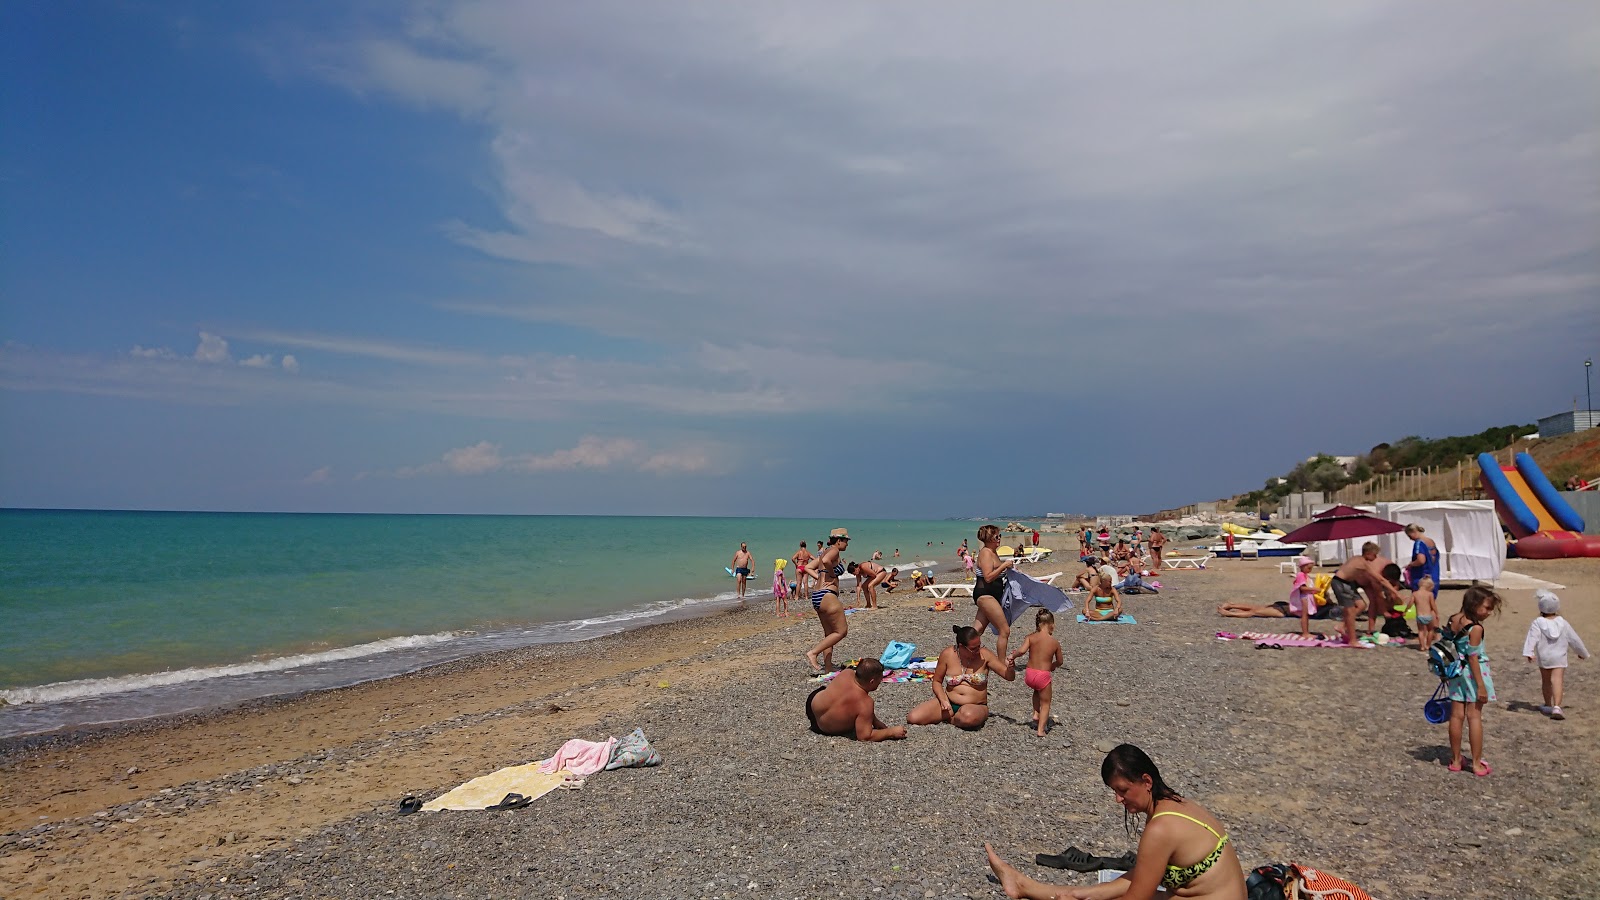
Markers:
point(825, 569)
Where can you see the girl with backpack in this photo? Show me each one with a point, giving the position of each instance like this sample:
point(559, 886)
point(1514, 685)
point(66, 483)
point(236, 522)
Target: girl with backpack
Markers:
point(1473, 685)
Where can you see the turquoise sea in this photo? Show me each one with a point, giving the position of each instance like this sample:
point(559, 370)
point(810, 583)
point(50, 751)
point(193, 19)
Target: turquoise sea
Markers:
point(121, 615)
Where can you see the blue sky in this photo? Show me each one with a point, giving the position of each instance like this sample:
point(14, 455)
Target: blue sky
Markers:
point(898, 259)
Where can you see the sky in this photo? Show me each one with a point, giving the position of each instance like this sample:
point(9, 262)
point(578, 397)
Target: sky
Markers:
point(899, 259)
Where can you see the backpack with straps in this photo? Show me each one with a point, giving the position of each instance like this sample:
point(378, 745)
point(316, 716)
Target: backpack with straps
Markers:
point(1445, 657)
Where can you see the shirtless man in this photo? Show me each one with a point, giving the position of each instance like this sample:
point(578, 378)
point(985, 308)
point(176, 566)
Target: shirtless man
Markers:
point(1157, 541)
point(800, 558)
point(844, 708)
point(1373, 574)
point(741, 568)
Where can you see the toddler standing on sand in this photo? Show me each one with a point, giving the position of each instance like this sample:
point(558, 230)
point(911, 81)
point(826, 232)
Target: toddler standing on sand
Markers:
point(1549, 636)
point(1424, 601)
point(1044, 656)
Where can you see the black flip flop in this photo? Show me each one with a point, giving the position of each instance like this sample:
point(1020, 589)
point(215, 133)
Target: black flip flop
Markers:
point(1071, 858)
point(511, 801)
point(1124, 862)
point(410, 805)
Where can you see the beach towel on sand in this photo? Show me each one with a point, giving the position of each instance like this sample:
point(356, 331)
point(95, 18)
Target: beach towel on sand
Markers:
point(1123, 619)
point(487, 790)
point(580, 757)
point(633, 751)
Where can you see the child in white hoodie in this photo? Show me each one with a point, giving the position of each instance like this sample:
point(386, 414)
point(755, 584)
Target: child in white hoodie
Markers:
point(1548, 639)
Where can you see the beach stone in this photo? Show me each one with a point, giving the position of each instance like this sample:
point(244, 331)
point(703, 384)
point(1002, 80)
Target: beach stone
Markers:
point(1123, 703)
point(1360, 820)
point(1105, 746)
point(1513, 832)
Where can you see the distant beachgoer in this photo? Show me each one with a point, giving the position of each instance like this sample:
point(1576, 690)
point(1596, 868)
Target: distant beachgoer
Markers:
point(1474, 686)
point(919, 580)
point(1302, 601)
point(1121, 553)
point(877, 555)
point(1548, 638)
point(1089, 576)
point(1105, 603)
point(1358, 572)
point(1426, 602)
point(1036, 537)
point(892, 582)
point(961, 682)
point(1182, 848)
point(1157, 541)
point(802, 578)
point(990, 586)
point(1227, 541)
point(897, 553)
point(1104, 540)
point(825, 569)
point(1424, 557)
point(780, 589)
point(1044, 657)
point(741, 568)
point(969, 564)
point(844, 707)
point(869, 576)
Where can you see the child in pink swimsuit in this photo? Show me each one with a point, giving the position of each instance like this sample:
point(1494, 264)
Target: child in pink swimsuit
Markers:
point(1044, 656)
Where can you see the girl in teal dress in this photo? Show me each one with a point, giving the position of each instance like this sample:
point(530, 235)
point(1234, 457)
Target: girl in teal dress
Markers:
point(1473, 686)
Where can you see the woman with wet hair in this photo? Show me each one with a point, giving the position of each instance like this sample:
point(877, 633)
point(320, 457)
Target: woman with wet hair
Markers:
point(1183, 847)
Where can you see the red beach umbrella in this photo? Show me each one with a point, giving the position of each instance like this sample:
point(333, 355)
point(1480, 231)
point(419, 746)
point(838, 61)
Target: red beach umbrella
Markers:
point(1338, 528)
point(1340, 510)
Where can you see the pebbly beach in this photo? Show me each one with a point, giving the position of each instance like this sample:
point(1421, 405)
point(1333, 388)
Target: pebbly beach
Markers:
point(1312, 755)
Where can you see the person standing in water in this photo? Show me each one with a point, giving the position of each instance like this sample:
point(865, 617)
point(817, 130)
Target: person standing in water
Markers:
point(741, 568)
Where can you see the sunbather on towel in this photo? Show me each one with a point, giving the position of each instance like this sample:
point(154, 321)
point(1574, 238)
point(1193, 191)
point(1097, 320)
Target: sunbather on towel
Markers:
point(1105, 603)
point(844, 707)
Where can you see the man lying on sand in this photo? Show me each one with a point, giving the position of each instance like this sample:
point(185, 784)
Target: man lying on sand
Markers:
point(844, 708)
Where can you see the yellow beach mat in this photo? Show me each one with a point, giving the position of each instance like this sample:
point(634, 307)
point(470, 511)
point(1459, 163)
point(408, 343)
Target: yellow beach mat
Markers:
point(487, 790)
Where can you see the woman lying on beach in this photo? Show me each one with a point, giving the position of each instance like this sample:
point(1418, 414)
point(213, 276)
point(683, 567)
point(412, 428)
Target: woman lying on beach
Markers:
point(1302, 602)
point(1183, 847)
point(990, 587)
point(825, 569)
point(961, 682)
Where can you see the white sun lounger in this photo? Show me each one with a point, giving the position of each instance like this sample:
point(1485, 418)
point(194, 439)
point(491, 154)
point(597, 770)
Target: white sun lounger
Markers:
point(942, 591)
point(1188, 562)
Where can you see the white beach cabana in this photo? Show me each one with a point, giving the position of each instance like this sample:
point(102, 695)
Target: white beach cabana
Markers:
point(1466, 531)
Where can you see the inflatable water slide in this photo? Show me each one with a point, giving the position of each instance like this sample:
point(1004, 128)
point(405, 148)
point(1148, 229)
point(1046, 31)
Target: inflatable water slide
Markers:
point(1530, 507)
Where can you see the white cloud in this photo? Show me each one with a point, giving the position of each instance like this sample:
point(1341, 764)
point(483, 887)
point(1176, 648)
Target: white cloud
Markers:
point(290, 364)
point(212, 349)
point(374, 348)
point(258, 361)
point(152, 352)
point(323, 475)
point(591, 452)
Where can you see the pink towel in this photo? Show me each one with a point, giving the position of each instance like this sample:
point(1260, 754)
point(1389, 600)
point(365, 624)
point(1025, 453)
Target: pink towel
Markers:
point(581, 758)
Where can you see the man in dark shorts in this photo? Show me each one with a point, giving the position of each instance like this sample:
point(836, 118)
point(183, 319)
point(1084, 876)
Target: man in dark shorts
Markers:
point(1375, 576)
point(844, 707)
point(741, 568)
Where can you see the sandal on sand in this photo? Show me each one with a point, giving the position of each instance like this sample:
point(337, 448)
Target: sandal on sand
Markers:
point(1124, 862)
point(1453, 767)
point(410, 805)
point(1071, 858)
point(511, 801)
point(1482, 769)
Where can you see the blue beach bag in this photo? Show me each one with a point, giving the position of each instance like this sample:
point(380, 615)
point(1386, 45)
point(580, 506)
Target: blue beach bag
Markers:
point(1437, 709)
point(897, 655)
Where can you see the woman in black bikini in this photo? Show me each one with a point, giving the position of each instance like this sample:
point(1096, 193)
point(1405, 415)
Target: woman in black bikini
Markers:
point(961, 683)
point(825, 569)
point(991, 586)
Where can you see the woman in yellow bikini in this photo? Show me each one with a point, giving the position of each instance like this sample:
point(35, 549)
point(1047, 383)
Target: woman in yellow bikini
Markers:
point(1183, 847)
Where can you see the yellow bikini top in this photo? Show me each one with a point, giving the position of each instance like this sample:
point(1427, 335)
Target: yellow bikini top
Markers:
point(1178, 876)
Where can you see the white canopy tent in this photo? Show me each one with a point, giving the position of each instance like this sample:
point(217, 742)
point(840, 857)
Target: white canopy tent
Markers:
point(1466, 531)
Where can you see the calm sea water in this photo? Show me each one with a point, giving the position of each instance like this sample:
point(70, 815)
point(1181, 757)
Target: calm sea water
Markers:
point(117, 615)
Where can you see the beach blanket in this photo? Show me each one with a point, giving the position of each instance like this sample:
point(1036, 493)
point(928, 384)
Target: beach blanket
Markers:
point(487, 790)
point(1123, 619)
point(1267, 638)
point(580, 757)
point(1023, 593)
point(917, 671)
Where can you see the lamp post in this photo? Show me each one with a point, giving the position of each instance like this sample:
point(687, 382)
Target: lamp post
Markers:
point(1588, 398)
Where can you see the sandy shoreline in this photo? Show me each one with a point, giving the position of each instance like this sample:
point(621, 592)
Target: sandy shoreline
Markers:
point(1313, 755)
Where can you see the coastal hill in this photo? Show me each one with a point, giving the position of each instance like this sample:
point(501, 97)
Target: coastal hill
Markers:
point(1416, 468)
